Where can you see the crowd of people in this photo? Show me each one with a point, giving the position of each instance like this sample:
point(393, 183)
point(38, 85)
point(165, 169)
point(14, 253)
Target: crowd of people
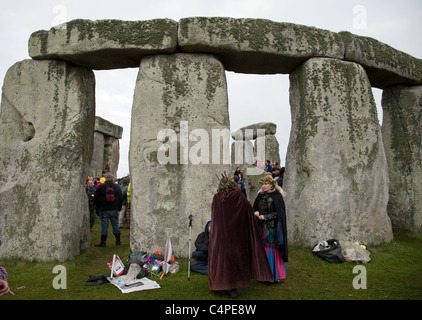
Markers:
point(109, 201)
point(274, 169)
point(256, 233)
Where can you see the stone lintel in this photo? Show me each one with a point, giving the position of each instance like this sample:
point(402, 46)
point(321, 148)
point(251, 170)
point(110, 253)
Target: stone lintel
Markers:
point(104, 44)
point(108, 128)
point(257, 46)
point(384, 65)
point(253, 46)
point(240, 134)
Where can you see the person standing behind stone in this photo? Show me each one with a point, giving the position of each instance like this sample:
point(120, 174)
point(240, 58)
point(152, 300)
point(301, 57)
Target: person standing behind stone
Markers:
point(90, 192)
point(240, 184)
point(280, 182)
point(108, 200)
point(126, 201)
point(237, 171)
point(268, 167)
point(123, 186)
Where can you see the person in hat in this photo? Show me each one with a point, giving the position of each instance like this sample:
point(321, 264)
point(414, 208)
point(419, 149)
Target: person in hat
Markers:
point(235, 252)
point(270, 212)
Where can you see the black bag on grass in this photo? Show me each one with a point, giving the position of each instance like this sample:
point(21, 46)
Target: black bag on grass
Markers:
point(329, 251)
point(96, 280)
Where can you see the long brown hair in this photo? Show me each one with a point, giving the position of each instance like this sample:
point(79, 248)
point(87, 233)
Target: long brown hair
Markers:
point(225, 187)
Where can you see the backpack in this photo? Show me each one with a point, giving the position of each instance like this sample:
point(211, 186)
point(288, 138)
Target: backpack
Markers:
point(109, 194)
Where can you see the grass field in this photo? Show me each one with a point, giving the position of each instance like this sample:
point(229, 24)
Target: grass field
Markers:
point(395, 273)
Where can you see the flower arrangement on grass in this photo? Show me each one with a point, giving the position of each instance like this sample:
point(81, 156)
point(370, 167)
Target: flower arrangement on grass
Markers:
point(151, 267)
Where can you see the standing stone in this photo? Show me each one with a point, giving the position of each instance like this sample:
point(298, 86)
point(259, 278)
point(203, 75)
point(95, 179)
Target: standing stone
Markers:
point(179, 101)
point(402, 135)
point(265, 146)
point(272, 150)
point(107, 128)
point(106, 157)
point(96, 166)
point(242, 153)
point(251, 157)
point(336, 172)
point(111, 155)
point(252, 131)
point(46, 142)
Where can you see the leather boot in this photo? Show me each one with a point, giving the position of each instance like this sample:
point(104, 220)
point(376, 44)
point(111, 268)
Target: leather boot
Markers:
point(117, 235)
point(102, 243)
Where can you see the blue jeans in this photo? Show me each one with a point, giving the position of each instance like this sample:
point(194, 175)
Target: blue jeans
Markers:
point(113, 216)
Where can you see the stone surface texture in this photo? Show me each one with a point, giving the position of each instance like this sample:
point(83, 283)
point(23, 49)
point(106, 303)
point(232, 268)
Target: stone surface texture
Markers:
point(251, 132)
point(336, 171)
point(166, 194)
point(46, 139)
point(106, 156)
point(104, 44)
point(257, 45)
point(384, 65)
point(402, 135)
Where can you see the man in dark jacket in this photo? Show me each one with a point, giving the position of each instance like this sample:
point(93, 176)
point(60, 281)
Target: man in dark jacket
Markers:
point(108, 201)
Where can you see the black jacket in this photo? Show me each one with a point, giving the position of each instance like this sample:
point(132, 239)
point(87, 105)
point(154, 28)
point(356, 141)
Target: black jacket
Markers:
point(278, 202)
point(100, 197)
point(203, 239)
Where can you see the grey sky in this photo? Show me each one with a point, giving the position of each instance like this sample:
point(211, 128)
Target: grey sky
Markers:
point(252, 98)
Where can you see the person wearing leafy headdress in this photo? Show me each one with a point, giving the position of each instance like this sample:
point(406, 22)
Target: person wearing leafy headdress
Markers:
point(236, 253)
point(270, 211)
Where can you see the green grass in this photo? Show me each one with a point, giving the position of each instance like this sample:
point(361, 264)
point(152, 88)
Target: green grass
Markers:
point(395, 273)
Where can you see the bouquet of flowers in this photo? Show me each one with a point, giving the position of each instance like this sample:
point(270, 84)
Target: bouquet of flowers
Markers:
point(151, 267)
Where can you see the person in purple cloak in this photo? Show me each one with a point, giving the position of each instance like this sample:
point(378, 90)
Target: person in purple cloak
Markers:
point(236, 253)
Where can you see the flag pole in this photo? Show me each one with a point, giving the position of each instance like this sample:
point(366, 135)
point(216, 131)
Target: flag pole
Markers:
point(190, 238)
